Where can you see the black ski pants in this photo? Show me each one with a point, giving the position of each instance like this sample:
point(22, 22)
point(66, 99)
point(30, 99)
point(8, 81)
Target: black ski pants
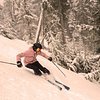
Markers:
point(38, 68)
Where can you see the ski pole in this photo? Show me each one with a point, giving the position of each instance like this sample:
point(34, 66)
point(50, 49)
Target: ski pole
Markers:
point(59, 69)
point(7, 63)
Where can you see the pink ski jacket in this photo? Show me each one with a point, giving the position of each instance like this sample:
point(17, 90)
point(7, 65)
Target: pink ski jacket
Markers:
point(30, 56)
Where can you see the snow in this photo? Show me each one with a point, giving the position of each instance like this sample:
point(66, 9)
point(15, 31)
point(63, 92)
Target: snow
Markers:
point(21, 84)
point(1, 2)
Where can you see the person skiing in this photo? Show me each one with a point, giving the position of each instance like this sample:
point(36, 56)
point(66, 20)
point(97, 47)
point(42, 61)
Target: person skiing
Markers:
point(30, 60)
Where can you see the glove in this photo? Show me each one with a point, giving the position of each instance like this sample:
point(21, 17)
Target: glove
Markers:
point(19, 64)
point(50, 58)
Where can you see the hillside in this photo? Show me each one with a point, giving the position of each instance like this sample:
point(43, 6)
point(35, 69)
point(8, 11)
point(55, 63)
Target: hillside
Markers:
point(21, 84)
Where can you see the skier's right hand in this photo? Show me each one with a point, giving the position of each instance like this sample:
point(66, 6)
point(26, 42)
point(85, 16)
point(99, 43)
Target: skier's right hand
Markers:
point(50, 58)
point(19, 64)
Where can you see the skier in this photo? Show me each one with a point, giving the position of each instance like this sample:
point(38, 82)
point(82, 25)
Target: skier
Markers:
point(30, 60)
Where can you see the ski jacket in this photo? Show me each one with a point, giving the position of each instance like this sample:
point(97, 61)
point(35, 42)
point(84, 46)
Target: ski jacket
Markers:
point(30, 56)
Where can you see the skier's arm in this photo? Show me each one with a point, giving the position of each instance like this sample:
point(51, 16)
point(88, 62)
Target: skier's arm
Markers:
point(46, 56)
point(22, 54)
point(19, 56)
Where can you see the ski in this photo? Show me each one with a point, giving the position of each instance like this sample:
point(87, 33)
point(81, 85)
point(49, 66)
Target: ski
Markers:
point(54, 84)
point(66, 87)
point(60, 88)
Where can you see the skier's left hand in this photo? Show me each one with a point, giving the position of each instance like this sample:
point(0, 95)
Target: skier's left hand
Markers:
point(50, 58)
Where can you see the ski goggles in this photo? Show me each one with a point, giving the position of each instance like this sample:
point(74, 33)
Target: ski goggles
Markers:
point(38, 50)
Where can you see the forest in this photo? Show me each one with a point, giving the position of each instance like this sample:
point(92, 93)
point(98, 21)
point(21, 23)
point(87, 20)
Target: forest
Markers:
point(70, 28)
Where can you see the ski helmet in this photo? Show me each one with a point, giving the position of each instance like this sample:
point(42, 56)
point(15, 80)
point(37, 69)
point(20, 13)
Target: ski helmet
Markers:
point(36, 46)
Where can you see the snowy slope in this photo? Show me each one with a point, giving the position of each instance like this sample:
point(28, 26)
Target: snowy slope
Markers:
point(22, 84)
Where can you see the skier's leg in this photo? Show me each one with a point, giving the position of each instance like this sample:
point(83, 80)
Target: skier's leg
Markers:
point(35, 68)
point(37, 71)
point(30, 66)
point(46, 70)
point(43, 69)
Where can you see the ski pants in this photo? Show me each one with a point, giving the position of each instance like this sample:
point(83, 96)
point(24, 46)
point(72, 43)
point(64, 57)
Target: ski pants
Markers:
point(38, 68)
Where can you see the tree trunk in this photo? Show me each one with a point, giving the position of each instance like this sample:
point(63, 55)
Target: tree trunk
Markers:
point(61, 20)
point(39, 27)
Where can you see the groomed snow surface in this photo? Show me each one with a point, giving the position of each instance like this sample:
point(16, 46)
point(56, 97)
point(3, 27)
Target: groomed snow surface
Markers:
point(21, 84)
